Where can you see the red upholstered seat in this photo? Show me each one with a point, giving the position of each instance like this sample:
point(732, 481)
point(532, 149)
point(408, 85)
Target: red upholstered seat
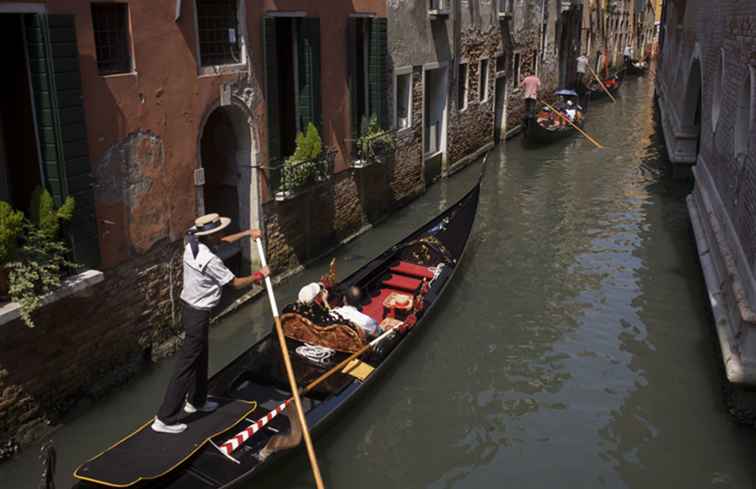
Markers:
point(412, 270)
point(374, 308)
point(402, 282)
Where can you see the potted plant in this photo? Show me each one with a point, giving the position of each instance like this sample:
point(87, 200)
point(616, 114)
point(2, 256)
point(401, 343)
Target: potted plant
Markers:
point(302, 167)
point(41, 261)
point(374, 143)
point(11, 225)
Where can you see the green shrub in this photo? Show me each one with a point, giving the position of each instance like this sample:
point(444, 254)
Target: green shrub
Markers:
point(300, 168)
point(42, 262)
point(45, 216)
point(374, 141)
point(11, 222)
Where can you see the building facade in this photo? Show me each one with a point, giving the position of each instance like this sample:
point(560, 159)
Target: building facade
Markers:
point(150, 113)
point(706, 82)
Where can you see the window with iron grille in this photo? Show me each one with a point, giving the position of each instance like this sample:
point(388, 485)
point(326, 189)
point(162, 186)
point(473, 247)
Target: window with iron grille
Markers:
point(219, 37)
point(110, 22)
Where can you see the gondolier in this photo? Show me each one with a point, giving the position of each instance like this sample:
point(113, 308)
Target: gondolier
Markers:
point(205, 275)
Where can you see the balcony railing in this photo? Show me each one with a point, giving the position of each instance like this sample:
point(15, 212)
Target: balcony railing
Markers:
point(288, 178)
point(374, 148)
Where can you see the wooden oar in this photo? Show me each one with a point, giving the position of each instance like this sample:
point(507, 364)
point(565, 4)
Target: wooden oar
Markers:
point(598, 145)
point(290, 372)
point(602, 84)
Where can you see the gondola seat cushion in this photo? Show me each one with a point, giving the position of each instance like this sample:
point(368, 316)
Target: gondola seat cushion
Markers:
point(340, 337)
point(412, 270)
point(402, 282)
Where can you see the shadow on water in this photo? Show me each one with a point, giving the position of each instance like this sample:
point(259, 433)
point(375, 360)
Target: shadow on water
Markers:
point(574, 348)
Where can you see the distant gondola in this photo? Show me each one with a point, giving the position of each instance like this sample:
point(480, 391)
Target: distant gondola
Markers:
point(613, 84)
point(636, 68)
point(546, 127)
point(413, 273)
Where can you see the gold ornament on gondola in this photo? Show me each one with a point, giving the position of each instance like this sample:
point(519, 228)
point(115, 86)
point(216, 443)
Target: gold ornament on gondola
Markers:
point(329, 280)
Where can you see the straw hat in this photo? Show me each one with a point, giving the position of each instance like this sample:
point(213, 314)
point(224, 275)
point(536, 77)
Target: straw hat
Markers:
point(209, 224)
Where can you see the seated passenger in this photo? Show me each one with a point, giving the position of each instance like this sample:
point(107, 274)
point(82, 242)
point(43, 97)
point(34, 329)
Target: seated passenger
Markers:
point(571, 111)
point(351, 301)
point(315, 293)
point(312, 303)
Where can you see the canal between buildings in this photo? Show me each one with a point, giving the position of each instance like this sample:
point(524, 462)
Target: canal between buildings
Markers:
point(574, 349)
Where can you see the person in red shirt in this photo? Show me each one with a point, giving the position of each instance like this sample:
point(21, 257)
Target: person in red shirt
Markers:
point(530, 85)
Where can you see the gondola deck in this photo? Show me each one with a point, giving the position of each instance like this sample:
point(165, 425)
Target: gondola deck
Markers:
point(146, 454)
point(431, 253)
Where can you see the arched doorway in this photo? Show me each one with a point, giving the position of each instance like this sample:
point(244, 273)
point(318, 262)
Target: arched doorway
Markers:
point(227, 153)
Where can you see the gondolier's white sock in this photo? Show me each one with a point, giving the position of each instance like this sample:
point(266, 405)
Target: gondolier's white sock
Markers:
point(161, 427)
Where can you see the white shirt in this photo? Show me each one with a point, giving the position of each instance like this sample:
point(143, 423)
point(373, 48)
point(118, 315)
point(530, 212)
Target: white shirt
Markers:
point(365, 322)
point(629, 51)
point(204, 277)
point(582, 64)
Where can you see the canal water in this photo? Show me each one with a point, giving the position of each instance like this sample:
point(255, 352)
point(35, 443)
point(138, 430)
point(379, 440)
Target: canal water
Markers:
point(574, 350)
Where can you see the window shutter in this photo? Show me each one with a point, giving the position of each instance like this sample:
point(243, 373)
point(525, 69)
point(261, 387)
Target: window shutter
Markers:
point(351, 74)
point(308, 61)
point(271, 90)
point(56, 83)
point(377, 50)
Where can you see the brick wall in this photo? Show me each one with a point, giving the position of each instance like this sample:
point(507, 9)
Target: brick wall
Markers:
point(405, 179)
point(472, 128)
point(705, 82)
point(82, 346)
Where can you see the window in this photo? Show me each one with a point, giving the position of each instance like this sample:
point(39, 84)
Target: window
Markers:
point(403, 112)
point(218, 30)
point(516, 71)
point(110, 22)
point(504, 7)
point(367, 51)
point(501, 64)
point(483, 86)
point(437, 5)
point(462, 88)
point(292, 72)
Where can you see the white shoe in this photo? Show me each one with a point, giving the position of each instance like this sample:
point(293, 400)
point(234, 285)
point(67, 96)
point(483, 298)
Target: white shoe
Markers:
point(208, 407)
point(161, 427)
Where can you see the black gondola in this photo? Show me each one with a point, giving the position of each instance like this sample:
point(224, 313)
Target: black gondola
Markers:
point(636, 68)
point(538, 134)
point(547, 127)
point(420, 266)
point(612, 84)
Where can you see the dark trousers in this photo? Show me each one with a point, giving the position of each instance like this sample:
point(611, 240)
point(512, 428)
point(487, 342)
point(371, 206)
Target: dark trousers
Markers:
point(530, 105)
point(189, 380)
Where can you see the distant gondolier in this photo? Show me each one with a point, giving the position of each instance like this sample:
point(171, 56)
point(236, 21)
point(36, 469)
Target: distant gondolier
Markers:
point(530, 85)
point(582, 67)
point(205, 275)
point(628, 55)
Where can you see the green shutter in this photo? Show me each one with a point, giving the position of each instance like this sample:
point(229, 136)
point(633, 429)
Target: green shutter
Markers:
point(308, 64)
point(377, 50)
point(271, 89)
point(351, 45)
point(56, 83)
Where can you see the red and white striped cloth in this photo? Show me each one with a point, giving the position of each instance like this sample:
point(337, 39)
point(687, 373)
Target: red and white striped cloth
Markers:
point(235, 442)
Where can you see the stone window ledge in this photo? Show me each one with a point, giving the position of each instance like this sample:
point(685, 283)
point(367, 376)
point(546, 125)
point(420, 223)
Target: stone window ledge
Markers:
point(75, 285)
